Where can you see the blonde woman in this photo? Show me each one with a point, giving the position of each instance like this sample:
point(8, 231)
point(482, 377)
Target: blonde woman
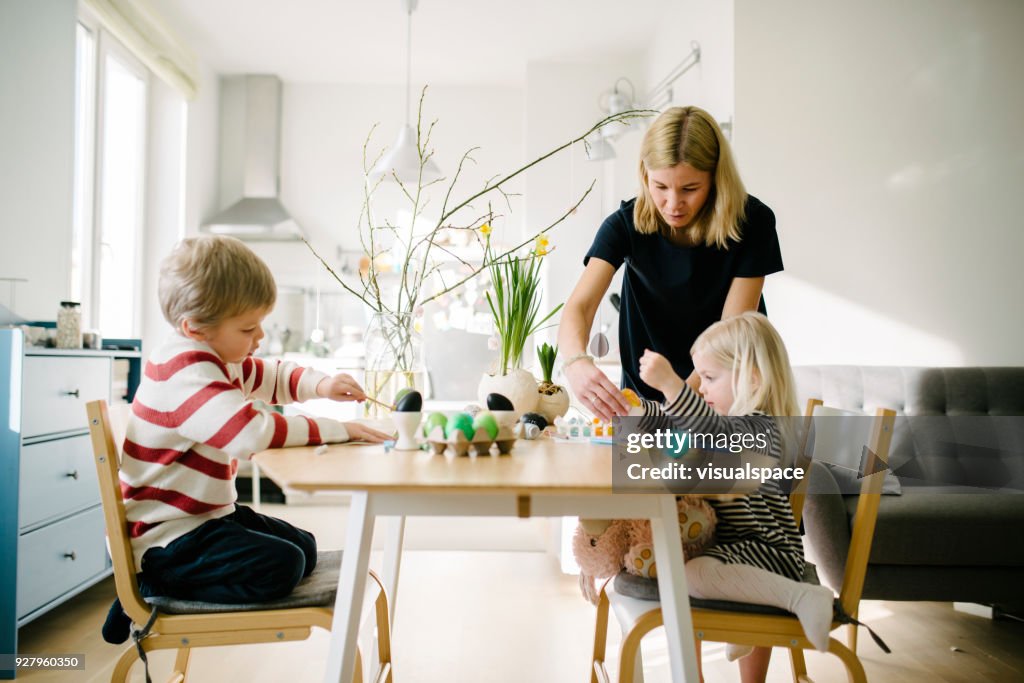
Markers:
point(696, 248)
point(745, 384)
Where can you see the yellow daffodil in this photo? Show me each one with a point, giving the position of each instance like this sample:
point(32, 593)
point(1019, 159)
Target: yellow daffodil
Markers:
point(541, 246)
point(485, 229)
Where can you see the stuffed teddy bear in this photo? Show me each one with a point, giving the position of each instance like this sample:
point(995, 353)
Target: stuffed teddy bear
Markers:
point(603, 548)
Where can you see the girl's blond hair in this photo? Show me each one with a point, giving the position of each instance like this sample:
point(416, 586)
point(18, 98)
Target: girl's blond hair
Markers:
point(691, 135)
point(762, 379)
point(211, 278)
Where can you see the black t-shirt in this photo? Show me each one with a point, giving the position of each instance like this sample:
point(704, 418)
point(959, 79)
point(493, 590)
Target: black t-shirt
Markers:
point(670, 294)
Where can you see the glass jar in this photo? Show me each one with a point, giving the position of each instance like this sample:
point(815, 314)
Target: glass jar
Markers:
point(69, 325)
point(394, 360)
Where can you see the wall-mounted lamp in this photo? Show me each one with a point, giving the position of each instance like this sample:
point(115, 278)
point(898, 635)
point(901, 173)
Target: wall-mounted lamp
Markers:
point(618, 100)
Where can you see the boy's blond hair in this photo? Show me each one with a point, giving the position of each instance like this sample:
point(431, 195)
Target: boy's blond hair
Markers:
point(762, 379)
point(211, 278)
point(691, 135)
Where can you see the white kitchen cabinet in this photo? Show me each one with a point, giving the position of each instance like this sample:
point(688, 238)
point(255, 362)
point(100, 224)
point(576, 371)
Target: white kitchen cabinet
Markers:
point(52, 543)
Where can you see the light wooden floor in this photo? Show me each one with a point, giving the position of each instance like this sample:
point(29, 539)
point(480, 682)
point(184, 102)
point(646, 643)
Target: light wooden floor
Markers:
point(500, 616)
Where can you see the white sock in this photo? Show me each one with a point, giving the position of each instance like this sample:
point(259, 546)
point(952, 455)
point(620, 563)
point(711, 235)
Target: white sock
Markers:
point(734, 651)
point(711, 579)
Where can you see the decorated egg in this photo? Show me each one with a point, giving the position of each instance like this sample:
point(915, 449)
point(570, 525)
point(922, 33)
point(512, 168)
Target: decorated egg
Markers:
point(535, 419)
point(409, 402)
point(499, 402)
point(434, 420)
point(631, 397)
point(486, 422)
point(459, 422)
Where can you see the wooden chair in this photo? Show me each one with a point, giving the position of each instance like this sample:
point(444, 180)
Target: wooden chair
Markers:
point(202, 628)
point(761, 626)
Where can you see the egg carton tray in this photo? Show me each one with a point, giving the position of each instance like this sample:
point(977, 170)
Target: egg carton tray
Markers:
point(481, 444)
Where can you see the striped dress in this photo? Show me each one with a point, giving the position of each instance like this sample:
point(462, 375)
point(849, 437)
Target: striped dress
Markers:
point(192, 420)
point(756, 529)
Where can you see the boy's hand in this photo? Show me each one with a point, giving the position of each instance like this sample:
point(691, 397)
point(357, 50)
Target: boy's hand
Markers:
point(360, 432)
point(341, 387)
point(656, 371)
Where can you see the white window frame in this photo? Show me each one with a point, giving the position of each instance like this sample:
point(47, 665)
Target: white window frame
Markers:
point(105, 44)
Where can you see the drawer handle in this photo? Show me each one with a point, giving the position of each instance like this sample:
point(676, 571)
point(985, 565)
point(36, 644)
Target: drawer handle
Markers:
point(70, 393)
point(71, 556)
point(73, 474)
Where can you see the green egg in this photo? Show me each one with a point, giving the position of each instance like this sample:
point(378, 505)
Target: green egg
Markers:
point(401, 392)
point(486, 422)
point(434, 420)
point(461, 422)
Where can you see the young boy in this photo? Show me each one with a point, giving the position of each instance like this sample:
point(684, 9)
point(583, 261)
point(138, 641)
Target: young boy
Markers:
point(193, 419)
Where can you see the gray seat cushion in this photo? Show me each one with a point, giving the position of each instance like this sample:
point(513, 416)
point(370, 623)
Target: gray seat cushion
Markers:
point(647, 589)
point(316, 590)
point(968, 530)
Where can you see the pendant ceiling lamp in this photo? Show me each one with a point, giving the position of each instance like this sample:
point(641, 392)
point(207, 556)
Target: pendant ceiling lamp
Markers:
point(403, 159)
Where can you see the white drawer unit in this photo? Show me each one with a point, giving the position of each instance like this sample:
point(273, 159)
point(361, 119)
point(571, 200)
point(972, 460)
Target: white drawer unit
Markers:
point(57, 478)
point(52, 539)
point(56, 390)
point(58, 558)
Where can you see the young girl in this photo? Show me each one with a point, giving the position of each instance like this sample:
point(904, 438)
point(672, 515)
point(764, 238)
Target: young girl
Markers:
point(758, 557)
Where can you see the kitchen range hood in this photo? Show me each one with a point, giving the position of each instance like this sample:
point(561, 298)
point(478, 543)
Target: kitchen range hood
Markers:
point(250, 151)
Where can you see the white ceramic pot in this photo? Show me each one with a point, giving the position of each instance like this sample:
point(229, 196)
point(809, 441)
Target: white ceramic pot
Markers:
point(518, 386)
point(553, 405)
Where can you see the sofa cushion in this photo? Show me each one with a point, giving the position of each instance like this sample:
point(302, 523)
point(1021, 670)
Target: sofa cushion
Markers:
point(947, 529)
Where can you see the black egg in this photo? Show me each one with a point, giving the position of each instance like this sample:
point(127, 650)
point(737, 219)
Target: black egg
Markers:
point(412, 402)
point(498, 402)
point(534, 419)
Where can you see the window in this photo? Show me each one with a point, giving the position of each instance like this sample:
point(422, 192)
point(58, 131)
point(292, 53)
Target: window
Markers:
point(110, 161)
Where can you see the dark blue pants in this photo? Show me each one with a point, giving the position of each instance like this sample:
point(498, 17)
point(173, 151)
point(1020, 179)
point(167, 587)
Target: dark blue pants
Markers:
point(243, 557)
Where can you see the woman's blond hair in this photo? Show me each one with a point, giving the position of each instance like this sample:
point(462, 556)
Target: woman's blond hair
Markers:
point(691, 135)
point(211, 278)
point(762, 379)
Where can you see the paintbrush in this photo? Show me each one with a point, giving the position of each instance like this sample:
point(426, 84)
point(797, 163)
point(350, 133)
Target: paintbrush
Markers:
point(380, 403)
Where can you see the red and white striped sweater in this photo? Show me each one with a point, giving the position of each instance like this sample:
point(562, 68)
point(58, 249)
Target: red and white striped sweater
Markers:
point(192, 420)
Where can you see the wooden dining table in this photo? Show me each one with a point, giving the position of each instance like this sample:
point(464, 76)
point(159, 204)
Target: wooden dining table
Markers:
point(540, 478)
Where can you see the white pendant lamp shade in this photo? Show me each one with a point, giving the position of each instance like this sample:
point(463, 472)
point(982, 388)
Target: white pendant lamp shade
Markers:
point(404, 159)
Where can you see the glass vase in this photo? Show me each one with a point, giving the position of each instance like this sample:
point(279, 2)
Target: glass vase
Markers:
point(394, 360)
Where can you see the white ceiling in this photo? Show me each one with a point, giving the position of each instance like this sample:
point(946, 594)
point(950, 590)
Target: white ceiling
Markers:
point(453, 41)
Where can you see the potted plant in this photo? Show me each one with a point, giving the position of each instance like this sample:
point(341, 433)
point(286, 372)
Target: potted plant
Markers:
point(552, 400)
point(515, 311)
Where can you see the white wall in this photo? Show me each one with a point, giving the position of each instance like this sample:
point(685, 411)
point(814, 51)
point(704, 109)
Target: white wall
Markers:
point(562, 103)
point(37, 129)
point(709, 84)
point(886, 137)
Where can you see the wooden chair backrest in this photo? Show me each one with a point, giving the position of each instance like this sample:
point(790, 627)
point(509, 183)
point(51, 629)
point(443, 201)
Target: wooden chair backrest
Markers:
point(106, 456)
point(879, 438)
point(867, 513)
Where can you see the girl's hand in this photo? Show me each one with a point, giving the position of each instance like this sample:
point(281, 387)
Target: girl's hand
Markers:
point(656, 371)
point(360, 432)
point(341, 387)
point(594, 390)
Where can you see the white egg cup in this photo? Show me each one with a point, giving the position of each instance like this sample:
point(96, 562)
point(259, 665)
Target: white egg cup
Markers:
point(407, 424)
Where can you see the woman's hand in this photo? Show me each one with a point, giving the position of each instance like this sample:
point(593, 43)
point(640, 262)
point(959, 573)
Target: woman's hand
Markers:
point(657, 372)
point(341, 387)
point(360, 432)
point(595, 391)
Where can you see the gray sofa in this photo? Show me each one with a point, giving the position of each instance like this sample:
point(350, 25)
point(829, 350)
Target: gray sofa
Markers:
point(928, 545)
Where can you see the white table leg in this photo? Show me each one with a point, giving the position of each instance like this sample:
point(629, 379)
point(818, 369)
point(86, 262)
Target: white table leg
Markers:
point(394, 536)
point(348, 605)
point(675, 602)
point(393, 561)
